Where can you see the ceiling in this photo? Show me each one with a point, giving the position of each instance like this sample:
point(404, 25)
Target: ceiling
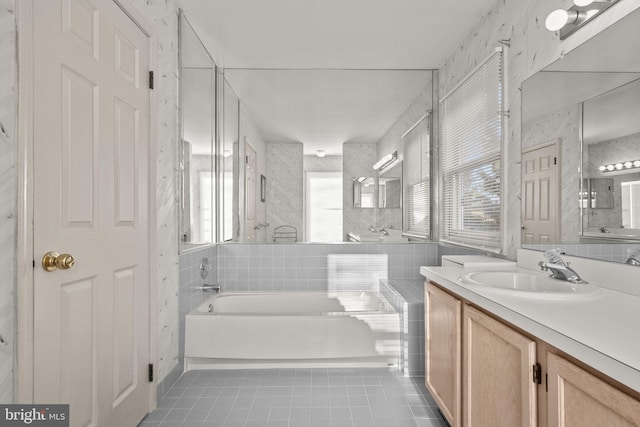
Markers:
point(293, 63)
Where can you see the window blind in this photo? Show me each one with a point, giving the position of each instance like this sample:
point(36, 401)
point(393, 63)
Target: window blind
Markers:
point(470, 159)
point(417, 171)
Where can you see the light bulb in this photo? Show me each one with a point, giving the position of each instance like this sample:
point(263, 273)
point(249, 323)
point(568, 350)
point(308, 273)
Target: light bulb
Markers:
point(556, 20)
point(321, 153)
point(627, 165)
point(602, 168)
point(610, 167)
point(636, 164)
point(582, 3)
point(618, 166)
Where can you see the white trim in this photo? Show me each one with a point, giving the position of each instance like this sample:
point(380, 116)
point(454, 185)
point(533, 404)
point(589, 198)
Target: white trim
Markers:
point(25, 257)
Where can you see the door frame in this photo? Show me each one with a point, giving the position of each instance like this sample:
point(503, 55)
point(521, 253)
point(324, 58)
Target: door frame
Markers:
point(24, 366)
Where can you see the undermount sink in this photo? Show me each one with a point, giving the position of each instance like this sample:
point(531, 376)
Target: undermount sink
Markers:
point(528, 285)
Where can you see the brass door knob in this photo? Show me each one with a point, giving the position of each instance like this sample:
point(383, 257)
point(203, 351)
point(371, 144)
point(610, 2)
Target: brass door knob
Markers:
point(52, 261)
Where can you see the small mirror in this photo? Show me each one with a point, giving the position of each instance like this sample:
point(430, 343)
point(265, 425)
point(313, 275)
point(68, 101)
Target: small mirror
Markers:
point(364, 192)
point(600, 193)
point(390, 188)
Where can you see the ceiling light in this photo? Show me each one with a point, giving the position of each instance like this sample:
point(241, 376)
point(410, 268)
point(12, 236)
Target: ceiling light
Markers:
point(226, 153)
point(614, 167)
point(386, 161)
point(321, 153)
point(557, 19)
point(566, 22)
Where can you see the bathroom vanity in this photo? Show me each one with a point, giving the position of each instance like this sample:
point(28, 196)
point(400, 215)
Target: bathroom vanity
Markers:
point(503, 358)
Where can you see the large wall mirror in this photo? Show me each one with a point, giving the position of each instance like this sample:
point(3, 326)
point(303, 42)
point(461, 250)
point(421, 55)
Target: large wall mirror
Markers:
point(197, 143)
point(310, 129)
point(581, 143)
point(262, 149)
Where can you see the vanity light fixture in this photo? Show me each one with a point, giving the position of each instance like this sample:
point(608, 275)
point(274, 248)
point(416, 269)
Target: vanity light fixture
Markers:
point(569, 20)
point(321, 153)
point(386, 161)
point(614, 167)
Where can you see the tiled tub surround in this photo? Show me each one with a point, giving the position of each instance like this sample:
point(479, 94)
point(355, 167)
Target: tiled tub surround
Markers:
point(303, 267)
point(189, 297)
point(407, 297)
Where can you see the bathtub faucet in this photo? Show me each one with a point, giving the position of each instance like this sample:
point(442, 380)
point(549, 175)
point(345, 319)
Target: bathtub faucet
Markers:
point(210, 288)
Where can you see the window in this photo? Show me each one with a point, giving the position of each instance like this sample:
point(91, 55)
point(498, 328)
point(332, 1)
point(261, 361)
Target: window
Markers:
point(417, 171)
point(324, 207)
point(630, 204)
point(470, 159)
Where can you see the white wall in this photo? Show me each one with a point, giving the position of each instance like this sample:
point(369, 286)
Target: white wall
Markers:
point(533, 47)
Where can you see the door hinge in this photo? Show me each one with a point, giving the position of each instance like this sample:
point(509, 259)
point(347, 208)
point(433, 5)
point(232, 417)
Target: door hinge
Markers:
point(34, 263)
point(150, 79)
point(555, 160)
point(246, 160)
point(150, 372)
point(537, 373)
point(546, 382)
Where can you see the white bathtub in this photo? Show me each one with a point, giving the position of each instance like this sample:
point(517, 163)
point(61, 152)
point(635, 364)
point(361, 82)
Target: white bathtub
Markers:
point(296, 329)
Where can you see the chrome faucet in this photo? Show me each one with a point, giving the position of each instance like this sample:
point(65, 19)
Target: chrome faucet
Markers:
point(559, 268)
point(372, 228)
point(384, 231)
point(634, 257)
point(209, 288)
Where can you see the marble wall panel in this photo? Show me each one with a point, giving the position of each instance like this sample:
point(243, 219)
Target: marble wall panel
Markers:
point(285, 185)
point(8, 191)
point(163, 15)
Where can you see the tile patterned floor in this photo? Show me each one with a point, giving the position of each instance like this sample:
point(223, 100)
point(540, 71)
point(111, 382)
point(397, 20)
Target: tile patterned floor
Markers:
point(363, 397)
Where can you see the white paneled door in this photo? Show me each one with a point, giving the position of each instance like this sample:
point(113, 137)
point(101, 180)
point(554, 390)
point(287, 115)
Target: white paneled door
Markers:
point(540, 194)
point(91, 196)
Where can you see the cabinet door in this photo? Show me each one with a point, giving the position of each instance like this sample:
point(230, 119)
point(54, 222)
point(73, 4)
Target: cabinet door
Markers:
point(442, 351)
point(577, 398)
point(497, 373)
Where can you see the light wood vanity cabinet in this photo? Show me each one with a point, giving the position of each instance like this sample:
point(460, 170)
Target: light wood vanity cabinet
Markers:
point(498, 387)
point(578, 398)
point(482, 372)
point(443, 351)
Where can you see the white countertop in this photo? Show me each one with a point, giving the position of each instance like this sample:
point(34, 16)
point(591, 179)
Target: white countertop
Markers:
point(603, 332)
